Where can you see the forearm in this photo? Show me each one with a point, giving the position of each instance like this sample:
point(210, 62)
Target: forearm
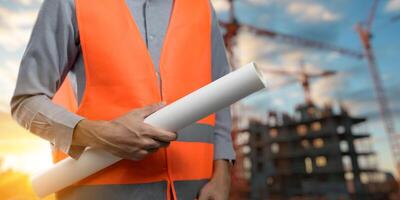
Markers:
point(49, 121)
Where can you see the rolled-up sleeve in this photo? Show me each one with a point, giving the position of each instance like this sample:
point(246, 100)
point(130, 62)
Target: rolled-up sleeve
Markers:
point(48, 58)
point(223, 146)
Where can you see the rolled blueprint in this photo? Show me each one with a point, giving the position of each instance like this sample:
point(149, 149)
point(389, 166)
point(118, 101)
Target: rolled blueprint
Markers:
point(186, 110)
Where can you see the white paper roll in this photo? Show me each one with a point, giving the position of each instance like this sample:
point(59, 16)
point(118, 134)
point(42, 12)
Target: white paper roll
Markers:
point(187, 110)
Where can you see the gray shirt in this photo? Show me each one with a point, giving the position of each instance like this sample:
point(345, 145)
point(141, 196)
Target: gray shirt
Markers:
point(54, 52)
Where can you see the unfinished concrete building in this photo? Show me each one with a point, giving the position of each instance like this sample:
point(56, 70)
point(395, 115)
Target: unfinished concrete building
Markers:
point(314, 155)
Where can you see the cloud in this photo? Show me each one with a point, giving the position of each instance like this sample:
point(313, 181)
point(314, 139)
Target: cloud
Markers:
point(392, 6)
point(27, 2)
point(9, 70)
point(221, 5)
point(360, 101)
point(328, 89)
point(15, 27)
point(364, 100)
point(312, 13)
point(272, 54)
point(8, 75)
point(267, 53)
point(264, 2)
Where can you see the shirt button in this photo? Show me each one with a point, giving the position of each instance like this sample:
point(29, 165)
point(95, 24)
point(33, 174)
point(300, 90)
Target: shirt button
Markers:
point(151, 37)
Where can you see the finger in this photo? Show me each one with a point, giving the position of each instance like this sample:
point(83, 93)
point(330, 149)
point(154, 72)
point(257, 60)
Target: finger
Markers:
point(158, 133)
point(164, 144)
point(150, 143)
point(152, 150)
point(150, 109)
point(122, 154)
point(140, 155)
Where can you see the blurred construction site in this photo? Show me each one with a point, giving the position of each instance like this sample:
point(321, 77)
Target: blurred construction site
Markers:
point(324, 129)
point(311, 151)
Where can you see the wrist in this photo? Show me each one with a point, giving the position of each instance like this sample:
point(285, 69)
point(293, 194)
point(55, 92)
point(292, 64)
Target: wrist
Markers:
point(222, 169)
point(84, 132)
point(221, 180)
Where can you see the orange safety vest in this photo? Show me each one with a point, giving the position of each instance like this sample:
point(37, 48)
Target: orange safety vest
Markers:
point(120, 76)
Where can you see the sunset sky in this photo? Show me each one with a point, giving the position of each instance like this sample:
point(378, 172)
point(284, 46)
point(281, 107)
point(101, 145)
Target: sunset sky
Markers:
point(327, 21)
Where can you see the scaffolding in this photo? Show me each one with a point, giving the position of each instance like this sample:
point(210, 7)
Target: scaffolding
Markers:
point(313, 154)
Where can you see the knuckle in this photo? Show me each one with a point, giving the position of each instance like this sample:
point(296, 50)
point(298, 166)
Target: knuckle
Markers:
point(145, 131)
point(144, 128)
point(171, 136)
point(139, 132)
point(144, 153)
point(143, 144)
point(174, 136)
point(141, 155)
point(132, 150)
point(151, 144)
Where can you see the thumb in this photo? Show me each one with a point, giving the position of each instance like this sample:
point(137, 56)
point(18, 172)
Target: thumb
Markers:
point(150, 109)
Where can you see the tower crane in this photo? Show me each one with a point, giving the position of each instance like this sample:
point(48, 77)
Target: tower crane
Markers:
point(233, 26)
point(303, 77)
point(365, 35)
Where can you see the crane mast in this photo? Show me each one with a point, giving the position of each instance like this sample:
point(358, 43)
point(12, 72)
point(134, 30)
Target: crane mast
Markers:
point(364, 33)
